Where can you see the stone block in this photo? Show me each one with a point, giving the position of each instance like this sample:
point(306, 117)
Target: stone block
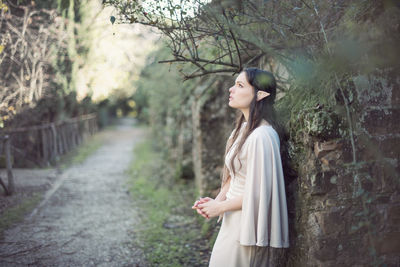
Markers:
point(395, 197)
point(381, 120)
point(382, 199)
point(345, 184)
point(321, 183)
point(357, 225)
point(390, 147)
point(372, 90)
point(313, 225)
point(331, 203)
point(331, 222)
point(350, 250)
point(326, 249)
point(388, 243)
point(385, 176)
point(396, 93)
point(366, 148)
point(323, 148)
point(377, 147)
point(393, 215)
point(367, 185)
point(347, 151)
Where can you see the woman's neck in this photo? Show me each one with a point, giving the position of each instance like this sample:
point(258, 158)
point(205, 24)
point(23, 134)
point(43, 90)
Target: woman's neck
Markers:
point(246, 118)
point(245, 114)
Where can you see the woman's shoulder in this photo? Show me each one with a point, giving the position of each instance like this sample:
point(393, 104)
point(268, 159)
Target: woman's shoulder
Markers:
point(263, 133)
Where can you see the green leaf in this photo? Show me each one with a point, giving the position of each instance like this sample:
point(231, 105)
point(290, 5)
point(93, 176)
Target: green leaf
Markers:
point(112, 19)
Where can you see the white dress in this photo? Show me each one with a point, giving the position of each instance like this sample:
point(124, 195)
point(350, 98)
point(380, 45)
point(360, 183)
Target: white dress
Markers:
point(246, 235)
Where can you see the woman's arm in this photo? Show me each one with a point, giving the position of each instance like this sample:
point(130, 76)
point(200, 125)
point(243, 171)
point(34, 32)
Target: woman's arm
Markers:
point(220, 197)
point(224, 189)
point(213, 208)
point(231, 204)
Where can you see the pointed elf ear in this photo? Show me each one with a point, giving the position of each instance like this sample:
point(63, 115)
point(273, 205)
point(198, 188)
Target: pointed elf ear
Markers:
point(261, 95)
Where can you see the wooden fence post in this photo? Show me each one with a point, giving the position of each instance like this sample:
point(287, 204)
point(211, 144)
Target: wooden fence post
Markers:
point(11, 186)
point(50, 140)
point(44, 146)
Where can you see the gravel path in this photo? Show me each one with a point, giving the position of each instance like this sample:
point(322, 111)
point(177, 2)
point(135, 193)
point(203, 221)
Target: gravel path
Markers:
point(87, 218)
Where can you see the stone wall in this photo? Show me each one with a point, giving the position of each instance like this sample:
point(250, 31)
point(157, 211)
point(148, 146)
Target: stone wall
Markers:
point(345, 205)
point(212, 121)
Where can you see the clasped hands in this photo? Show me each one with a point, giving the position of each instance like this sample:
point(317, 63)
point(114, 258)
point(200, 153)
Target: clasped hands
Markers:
point(207, 207)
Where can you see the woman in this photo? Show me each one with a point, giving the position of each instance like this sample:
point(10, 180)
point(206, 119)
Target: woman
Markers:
point(252, 199)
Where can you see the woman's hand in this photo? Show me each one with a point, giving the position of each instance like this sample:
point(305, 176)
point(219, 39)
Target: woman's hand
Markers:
point(196, 206)
point(211, 208)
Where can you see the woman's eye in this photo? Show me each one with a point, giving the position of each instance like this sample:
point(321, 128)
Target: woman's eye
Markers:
point(240, 85)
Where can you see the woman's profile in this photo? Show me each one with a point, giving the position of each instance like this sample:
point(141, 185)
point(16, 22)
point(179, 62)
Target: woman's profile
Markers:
point(252, 199)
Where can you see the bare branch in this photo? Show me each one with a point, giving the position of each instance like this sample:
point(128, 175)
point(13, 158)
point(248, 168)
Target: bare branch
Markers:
point(210, 72)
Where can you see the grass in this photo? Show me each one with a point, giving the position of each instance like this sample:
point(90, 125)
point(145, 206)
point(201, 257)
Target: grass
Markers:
point(79, 154)
point(16, 214)
point(171, 233)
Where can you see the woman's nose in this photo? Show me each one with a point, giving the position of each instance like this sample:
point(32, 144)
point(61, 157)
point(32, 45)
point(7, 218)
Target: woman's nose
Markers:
point(230, 89)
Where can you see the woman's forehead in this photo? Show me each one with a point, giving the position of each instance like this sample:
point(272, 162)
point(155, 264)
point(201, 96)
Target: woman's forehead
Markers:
point(241, 77)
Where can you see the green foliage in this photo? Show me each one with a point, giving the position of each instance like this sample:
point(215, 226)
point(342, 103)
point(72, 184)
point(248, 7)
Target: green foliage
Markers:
point(112, 19)
point(56, 105)
point(55, 96)
point(313, 47)
point(169, 229)
point(157, 88)
point(162, 99)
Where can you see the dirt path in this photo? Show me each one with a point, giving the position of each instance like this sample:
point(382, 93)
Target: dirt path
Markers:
point(87, 218)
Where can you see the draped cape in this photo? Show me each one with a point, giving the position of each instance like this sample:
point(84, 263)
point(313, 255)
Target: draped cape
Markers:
point(264, 218)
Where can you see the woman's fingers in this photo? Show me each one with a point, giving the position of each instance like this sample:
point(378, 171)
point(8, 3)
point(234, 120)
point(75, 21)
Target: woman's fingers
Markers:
point(202, 213)
point(202, 205)
point(199, 207)
point(205, 215)
point(200, 201)
point(195, 204)
point(199, 211)
point(205, 199)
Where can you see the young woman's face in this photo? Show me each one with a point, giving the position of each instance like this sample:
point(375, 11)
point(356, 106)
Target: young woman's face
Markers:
point(241, 93)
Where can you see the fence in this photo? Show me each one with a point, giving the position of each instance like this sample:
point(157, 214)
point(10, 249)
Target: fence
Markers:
point(5, 145)
point(42, 145)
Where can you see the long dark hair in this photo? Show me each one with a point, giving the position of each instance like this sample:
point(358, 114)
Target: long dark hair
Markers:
point(260, 80)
